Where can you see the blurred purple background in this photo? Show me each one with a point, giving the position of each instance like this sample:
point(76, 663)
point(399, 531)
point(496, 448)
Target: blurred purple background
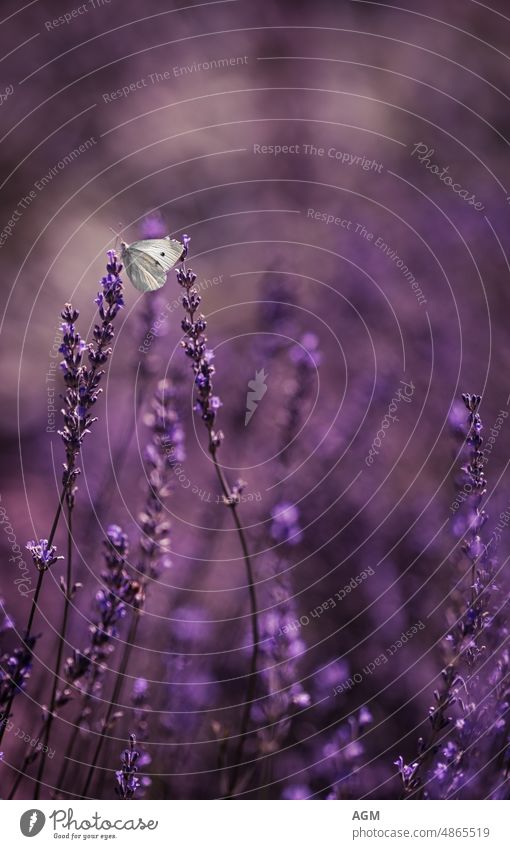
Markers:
point(344, 266)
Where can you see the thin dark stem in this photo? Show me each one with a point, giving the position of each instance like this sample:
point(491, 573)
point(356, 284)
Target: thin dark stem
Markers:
point(61, 642)
point(231, 501)
point(442, 724)
point(29, 758)
point(72, 742)
point(252, 678)
point(28, 629)
point(114, 701)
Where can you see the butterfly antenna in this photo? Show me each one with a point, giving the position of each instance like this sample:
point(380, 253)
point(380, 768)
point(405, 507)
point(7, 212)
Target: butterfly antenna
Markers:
point(117, 234)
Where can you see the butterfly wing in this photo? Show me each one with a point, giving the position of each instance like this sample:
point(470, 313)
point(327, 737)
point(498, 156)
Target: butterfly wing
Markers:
point(166, 252)
point(148, 262)
point(143, 276)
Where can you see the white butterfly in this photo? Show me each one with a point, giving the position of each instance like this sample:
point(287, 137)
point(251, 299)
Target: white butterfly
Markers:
point(148, 261)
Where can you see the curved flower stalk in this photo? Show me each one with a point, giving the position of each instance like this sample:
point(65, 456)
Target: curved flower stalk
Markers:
point(82, 391)
point(143, 365)
point(207, 405)
point(83, 368)
point(461, 715)
point(282, 642)
point(84, 671)
point(164, 450)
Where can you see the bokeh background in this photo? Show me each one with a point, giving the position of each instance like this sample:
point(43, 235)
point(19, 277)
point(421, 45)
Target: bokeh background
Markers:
point(176, 107)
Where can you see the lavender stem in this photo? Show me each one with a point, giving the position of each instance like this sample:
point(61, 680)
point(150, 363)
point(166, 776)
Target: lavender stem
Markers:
point(195, 347)
point(28, 629)
point(119, 680)
point(61, 641)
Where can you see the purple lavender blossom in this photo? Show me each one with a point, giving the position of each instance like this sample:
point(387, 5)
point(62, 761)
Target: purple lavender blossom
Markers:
point(83, 380)
point(345, 751)
point(43, 555)
point(307, 354)
point(162, 454)
point(140, 702)
point(85, 669)
point(296, 792)
point(165, 450)
point(7, 623)
point(281, 647)
point(127, 779)
point(195, 347)
point(460, 718)
point(285, 525)
point(113, 599)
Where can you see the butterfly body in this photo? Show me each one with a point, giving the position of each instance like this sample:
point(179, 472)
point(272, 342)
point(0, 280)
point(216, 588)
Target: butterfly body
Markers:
point(148, 261)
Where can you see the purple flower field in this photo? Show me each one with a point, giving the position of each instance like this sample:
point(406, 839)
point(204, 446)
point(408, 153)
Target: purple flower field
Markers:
point(255, 524)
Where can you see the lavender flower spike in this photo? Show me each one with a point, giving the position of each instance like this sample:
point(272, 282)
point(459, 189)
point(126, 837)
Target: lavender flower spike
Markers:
point(195, 347)
point(162, 454)
point(127, 780)
point(43, 555)
point(83, 380)
point(84, 671)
